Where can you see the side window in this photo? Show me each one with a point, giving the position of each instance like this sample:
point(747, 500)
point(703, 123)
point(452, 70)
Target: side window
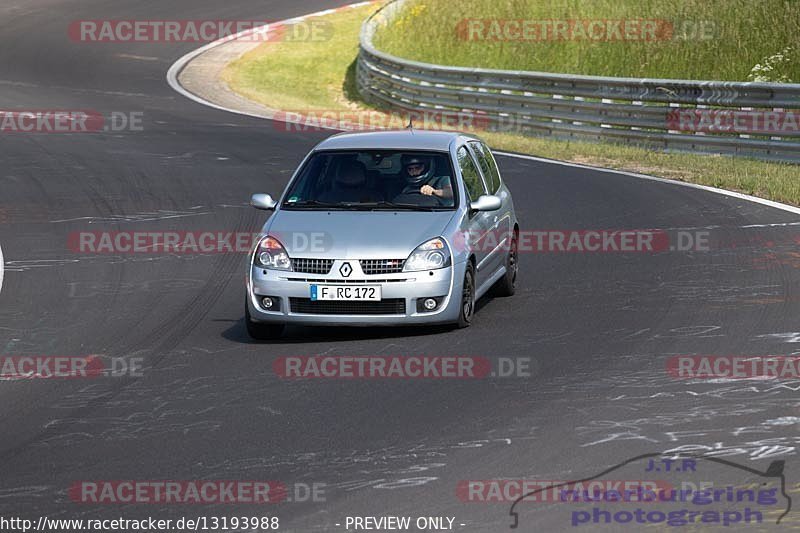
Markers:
point(472, 180)
point(488, 166)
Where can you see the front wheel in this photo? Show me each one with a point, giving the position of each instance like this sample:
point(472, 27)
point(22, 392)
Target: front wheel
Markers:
point(259, 330)
point(467, 298)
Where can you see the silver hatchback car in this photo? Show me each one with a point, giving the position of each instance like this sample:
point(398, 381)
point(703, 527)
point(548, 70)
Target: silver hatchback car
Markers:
point(383, 228)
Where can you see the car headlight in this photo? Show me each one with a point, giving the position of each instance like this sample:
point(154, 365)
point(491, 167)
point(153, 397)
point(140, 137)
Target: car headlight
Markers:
point(429, 255)
point(271, 254)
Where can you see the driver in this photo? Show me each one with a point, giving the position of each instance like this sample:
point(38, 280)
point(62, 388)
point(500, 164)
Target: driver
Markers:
point(419, 178)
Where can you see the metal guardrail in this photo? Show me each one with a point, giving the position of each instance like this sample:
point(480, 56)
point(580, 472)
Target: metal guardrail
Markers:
point(628, 110)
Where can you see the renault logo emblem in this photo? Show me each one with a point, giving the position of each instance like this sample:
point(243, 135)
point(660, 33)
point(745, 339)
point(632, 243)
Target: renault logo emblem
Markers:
point(345, 270)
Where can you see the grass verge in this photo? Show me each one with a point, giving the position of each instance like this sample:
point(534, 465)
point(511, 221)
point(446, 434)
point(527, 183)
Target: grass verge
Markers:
point(319, 76)
point(676, 39)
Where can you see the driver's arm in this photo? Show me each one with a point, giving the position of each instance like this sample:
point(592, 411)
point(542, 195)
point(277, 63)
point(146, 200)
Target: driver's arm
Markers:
point(442, 188)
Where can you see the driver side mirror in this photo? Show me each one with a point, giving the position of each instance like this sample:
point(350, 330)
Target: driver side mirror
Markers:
point(263, 201)
point(486, 202)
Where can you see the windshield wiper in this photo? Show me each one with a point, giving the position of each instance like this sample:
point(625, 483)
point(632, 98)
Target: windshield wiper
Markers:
point(312, 203)
point(393, 205)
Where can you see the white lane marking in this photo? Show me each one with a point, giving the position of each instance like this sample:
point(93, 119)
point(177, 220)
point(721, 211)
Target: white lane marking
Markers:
point(176, 68)
point(1, 268)
point(790, 337)
point(138, 58)
point(14, 83)
point(739, 195)
point(25, 265)
point(782, 421)
point(719, 226)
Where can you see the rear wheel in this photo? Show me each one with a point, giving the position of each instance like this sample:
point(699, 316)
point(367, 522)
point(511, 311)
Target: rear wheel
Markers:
point(507, 285)
point(467, 298)
point(259, 330)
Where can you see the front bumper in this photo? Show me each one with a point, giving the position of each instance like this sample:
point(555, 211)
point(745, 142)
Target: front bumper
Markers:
point(406, 286)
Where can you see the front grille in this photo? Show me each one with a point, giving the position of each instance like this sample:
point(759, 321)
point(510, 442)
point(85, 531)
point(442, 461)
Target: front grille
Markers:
point(312, 266)
point(391, 306)
point(382, 266)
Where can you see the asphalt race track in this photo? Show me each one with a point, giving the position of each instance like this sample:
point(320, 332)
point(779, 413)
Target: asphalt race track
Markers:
point(598, 328)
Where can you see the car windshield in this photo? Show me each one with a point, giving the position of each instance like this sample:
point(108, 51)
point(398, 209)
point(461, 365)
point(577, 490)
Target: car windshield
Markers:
point(374, 180)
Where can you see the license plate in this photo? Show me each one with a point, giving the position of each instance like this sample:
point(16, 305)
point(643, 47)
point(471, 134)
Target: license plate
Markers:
point(371, 293)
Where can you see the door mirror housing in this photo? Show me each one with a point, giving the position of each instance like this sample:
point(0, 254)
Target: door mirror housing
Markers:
point(263, 201)
point(486, 202)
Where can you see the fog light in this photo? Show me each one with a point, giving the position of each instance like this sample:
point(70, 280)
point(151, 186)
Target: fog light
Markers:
point(266, 303)
point(429, 304)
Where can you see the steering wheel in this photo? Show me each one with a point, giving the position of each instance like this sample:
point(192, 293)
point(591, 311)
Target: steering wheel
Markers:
point(416, 197)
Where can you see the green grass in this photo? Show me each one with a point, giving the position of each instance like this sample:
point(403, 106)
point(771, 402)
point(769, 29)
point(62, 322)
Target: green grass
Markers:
point(297, 76)
point(744, 33)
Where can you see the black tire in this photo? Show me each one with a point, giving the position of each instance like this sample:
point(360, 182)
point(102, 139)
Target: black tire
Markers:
point(261, 331)
point(467, 310)
point(507, 285)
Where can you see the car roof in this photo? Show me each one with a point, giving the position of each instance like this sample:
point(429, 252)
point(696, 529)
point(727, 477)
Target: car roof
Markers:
point(406, 139)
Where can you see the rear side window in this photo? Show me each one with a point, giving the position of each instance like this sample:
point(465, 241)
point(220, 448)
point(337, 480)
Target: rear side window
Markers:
point(472, 180)
point(488, 166)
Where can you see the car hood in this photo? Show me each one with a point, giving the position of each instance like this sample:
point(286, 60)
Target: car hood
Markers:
point(355, 234)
